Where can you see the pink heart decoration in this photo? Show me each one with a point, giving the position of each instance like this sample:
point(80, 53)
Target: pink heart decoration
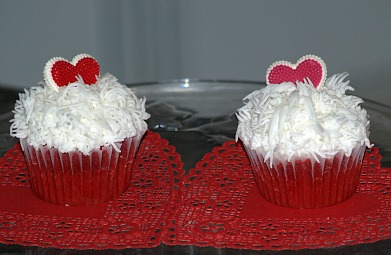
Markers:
point(60, 72)
point(308, 67)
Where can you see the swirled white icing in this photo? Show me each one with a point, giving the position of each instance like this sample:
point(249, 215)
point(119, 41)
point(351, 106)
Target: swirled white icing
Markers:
point(289, 121)
point(79, 116)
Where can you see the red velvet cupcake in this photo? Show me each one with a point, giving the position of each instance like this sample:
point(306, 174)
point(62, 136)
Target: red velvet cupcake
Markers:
point(79, 131)
point(305, 138)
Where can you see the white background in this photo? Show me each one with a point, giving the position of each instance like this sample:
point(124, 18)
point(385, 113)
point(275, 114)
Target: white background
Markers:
point(149, 40)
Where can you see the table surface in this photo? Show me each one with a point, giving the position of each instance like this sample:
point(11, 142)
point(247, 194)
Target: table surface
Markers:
point(202, 114)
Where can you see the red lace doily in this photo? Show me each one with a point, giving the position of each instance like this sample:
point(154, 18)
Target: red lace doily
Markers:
point(136, 219)
point(221, 207)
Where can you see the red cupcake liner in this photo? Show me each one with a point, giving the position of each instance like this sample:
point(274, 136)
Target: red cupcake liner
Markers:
point(77, 179)
point(308, 183)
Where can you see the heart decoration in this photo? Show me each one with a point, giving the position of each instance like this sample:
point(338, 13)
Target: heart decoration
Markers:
point(308, 67)
point(60, 72)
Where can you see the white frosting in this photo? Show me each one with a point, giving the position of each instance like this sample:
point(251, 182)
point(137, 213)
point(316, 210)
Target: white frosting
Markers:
point(79, 116)
point(287, 121)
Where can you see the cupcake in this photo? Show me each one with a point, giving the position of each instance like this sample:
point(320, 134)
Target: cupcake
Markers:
point(79, 132)
point(304, 136)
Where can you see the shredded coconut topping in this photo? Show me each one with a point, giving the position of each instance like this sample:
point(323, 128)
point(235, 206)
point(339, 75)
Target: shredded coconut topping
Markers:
point(79, 116)
point(288, 121)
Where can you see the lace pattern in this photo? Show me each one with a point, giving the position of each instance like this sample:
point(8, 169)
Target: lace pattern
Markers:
point(216, 204)
point(136, 219)
point(221, 207)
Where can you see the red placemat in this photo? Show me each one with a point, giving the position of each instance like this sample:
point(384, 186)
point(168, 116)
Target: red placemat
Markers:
point(136, 219)
point(221, 207)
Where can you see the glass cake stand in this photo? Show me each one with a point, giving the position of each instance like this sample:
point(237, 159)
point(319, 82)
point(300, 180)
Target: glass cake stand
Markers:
point(201, 114)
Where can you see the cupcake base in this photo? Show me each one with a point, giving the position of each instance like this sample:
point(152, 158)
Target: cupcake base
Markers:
point(308, 183)
point(76, 179)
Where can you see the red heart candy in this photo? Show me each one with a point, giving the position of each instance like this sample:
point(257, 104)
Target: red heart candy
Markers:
point(308, 67)
point(60, 72)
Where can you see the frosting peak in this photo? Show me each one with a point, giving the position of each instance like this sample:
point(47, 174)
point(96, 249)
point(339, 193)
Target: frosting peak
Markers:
point(288, 121)
point(79, 116)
